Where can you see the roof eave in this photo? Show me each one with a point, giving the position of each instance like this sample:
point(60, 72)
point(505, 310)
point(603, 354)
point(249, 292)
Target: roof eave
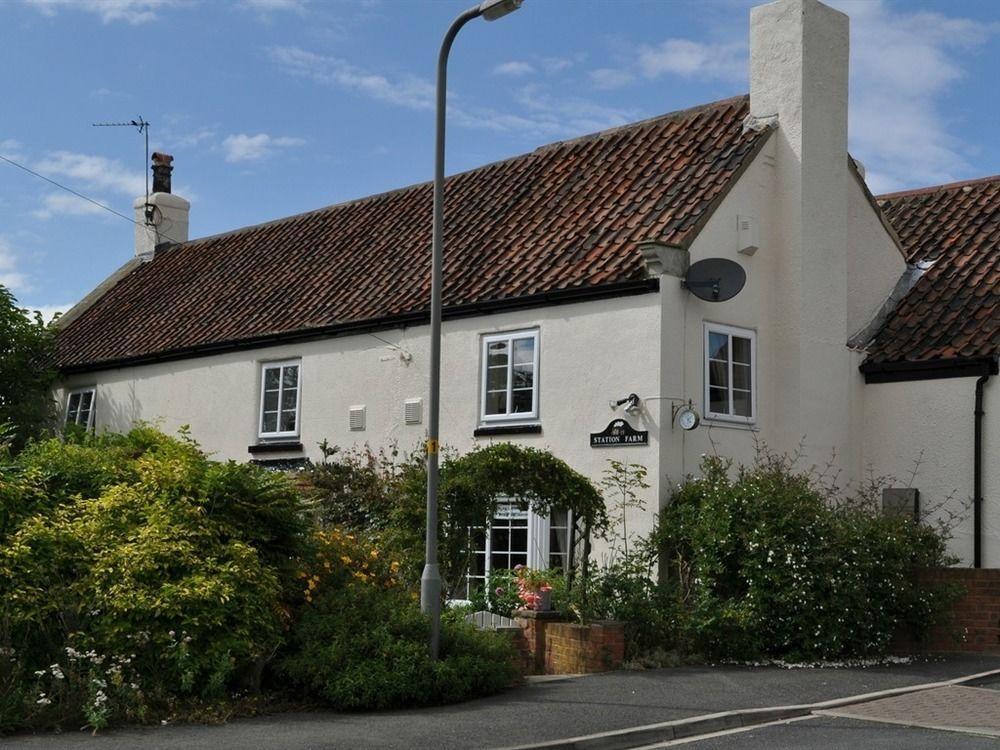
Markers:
point(928, 369)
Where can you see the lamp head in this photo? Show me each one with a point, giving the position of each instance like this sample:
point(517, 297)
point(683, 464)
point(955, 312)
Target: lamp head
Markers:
point(491, 10)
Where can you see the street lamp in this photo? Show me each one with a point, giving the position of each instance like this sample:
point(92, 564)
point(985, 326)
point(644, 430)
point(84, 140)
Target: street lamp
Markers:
point(430, 581)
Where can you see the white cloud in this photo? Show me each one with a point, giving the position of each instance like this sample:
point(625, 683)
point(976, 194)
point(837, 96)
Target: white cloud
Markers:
point(514, 68)
point(12, 149)
point(10, 277)
point(267, 6)
point(558, 64)
point(405, 90)
point(130, 11)
point(610, 78)
point(242, 147)
point(690, 59)
point(48, 311)
point(92, 172)
point(65, 204)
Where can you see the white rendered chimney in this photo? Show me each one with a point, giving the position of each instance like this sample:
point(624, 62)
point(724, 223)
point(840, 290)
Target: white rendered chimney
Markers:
point(163, 218)
point(799, 72)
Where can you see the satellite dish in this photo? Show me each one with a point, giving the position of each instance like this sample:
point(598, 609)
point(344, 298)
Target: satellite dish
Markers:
point(715, 279)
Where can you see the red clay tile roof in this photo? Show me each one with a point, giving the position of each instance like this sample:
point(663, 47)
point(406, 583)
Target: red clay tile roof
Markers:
point(953, 311)
point(565, 217)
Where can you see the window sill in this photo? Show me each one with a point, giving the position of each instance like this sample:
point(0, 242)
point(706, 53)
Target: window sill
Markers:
point(507, 429)
point(727, 424)
point(283, 446)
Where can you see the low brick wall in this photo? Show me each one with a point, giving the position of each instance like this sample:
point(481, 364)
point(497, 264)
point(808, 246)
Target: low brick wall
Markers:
point(974, 624)
point(551, 646)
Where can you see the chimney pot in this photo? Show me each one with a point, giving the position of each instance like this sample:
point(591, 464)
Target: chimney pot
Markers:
point(162, 167)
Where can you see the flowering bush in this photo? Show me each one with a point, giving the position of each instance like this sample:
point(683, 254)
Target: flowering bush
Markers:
point(360, 640)
point(163, 569)
point(771, 563)
point(531, 585)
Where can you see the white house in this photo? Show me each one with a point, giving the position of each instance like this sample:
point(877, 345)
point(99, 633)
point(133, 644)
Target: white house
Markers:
point(864, 332)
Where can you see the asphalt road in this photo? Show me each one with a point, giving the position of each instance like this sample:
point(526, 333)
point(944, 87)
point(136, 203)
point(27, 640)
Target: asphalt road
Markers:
point(825, 733)
point(537, 712)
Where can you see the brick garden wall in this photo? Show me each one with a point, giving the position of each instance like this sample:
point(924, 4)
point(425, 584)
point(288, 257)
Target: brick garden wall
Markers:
point(549, 646)
point(975, 619)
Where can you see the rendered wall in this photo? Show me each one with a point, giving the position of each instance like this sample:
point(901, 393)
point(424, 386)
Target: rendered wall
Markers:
point(589, 353)
point(929, 424)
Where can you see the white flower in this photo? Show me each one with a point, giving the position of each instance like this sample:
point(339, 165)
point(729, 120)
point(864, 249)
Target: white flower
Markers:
point(57, 672)
point(40, 673)
point(43, 701)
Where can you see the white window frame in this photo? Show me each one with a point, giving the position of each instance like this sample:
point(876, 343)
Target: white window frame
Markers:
point(264, 367)
point(538, 546)
point(730, 331)
point(509, 336)
point(92, 390)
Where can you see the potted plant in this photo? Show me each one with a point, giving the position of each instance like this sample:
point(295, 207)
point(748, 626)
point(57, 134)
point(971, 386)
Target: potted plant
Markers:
point(533, 588)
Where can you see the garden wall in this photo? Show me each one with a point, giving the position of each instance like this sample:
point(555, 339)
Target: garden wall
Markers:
point(550, 646)
point(974, 623)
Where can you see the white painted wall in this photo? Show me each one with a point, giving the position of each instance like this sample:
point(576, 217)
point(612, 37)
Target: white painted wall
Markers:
point(931, 422)
point(589, 353)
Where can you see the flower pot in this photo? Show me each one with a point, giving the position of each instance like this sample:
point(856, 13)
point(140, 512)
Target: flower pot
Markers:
point(544, 601)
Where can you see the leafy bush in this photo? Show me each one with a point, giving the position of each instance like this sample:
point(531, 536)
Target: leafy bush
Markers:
point(770, 563)
point(137, 550)
point(361, 640)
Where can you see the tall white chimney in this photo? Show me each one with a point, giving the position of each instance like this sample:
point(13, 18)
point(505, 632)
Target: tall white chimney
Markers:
point(163, 217)
point(799, 72)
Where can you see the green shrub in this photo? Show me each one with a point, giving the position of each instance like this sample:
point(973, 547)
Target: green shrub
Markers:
point(137, 550)
point(770, 563)
point(365, 647)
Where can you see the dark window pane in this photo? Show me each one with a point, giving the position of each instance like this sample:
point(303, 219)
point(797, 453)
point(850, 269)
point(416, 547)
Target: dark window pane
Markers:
point(288, 397)
point(524, 351)
point(518, 559)
point(559, 518)
point(496, 378)
point(718, 346)
point(272, 377)
point(519, 540)
point(499, 562)
point(86, 398)
point(287, 421)
point(270, 401)
point(523, 402)
point(718, 401)
point(741, 376)
point(479, 540)
point(524, 376)
point(478, 565)
point(74, 408)
point(496, 403)
point(500, 539)
point(557, 561)
point(741, 403)
point(557, 541)
point(741, 350)
point(291, 377)
point(270, 422)
point(83, 417)
point(497, 353)
point(718, 374)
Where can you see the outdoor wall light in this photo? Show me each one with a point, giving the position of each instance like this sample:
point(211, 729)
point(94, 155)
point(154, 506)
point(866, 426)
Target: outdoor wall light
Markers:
point(631, 403)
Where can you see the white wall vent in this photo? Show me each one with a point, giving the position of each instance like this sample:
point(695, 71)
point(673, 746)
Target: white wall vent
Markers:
point(412, 410)
point(357, 418)
point(746, 234)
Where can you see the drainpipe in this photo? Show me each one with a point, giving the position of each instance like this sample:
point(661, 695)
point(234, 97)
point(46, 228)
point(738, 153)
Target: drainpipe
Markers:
point(977, 476)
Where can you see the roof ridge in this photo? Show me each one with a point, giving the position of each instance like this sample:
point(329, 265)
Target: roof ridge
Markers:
point(938, 188)
point(678, 114)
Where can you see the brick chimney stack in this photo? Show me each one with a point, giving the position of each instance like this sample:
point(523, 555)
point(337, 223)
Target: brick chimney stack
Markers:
point(161, 172)
point(161, 219)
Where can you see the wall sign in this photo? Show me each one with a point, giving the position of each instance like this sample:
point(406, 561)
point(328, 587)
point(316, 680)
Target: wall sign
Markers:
point(618, 432)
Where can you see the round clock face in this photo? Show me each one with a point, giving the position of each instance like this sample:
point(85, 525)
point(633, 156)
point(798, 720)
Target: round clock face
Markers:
point(688, 419)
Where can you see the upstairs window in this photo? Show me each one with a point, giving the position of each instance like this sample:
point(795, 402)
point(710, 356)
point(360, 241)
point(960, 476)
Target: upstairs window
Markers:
point(730, 362)
point(510, 376)
point(80, 408)
point(279, 399)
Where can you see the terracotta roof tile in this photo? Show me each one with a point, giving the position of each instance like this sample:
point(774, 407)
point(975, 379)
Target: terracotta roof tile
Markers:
point(954, 309)
point(566, 216)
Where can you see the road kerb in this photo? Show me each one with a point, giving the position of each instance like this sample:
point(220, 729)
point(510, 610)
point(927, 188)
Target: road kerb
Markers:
point(635, 737)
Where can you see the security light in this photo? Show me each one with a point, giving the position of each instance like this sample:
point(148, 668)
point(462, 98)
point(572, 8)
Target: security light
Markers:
point(494, 9)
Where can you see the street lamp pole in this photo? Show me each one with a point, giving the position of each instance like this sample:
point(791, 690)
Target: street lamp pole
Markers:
point(430, 581)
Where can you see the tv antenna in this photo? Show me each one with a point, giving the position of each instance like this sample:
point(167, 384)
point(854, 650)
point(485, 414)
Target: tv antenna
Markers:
point(143, 127)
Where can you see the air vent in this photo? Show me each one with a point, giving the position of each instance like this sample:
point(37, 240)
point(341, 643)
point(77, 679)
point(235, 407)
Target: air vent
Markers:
point(746, 234)
point(412, 409)
point(357, 418)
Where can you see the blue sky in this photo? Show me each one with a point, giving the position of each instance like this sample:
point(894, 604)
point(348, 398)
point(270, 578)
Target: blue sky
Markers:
point(273, 107)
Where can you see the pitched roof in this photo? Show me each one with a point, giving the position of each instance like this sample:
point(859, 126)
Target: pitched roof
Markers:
point(953, 311)
point(566, 217)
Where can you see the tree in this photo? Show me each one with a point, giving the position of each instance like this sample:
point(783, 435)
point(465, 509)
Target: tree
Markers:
point(27, 408)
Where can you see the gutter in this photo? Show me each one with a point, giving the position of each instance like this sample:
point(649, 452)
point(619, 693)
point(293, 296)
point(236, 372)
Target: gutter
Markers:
point(931, 369)
point(977, 475)
point(402, 320)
